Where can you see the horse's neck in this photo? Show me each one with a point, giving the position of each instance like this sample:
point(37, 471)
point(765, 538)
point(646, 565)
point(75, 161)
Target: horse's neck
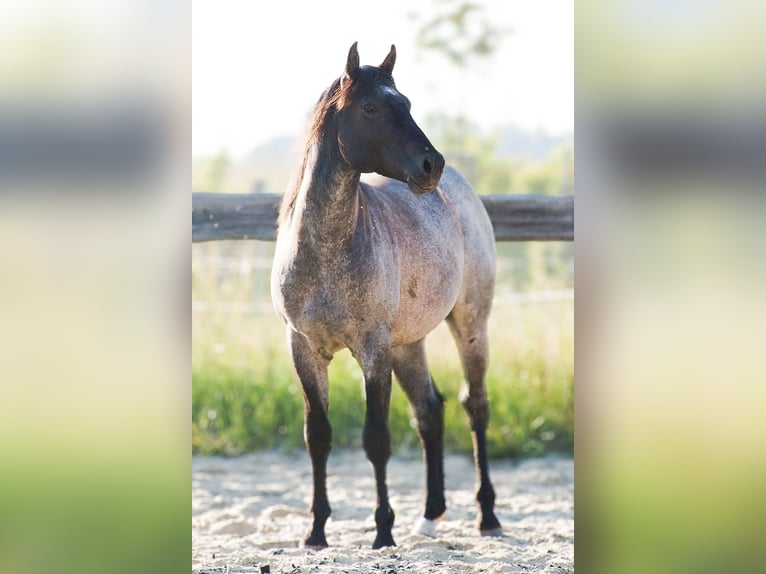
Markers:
point(328, 197)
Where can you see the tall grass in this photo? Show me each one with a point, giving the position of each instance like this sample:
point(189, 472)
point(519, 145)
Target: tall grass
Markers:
point(246, 396)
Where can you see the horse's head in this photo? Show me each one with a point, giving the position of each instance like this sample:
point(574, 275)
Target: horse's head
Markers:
point(376, 131)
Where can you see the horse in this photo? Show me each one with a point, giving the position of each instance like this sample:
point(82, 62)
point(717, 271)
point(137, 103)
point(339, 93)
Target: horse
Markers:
point(373, 264)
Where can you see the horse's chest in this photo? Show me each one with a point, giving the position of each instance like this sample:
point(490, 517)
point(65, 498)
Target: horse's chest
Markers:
point(328, 299)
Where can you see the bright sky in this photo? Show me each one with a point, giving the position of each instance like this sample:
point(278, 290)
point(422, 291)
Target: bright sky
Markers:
point(258, 67)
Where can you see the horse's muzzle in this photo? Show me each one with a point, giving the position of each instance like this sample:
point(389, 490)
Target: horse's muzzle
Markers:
point(418, 188)
point(431, 168)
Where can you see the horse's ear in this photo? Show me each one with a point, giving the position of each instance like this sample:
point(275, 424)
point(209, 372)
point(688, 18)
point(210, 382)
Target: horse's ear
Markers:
point(388, 63)
point(352, 63)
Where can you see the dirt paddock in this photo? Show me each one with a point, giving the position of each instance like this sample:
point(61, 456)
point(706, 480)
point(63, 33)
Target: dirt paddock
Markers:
point(249, 514)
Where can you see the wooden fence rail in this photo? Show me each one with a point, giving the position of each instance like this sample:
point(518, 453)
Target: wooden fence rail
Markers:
point(217, 216)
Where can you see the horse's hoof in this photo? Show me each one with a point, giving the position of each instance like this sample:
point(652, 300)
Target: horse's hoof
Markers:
point(426, 527)
point(383, 541)
point(490, 526)
point(495, 532)
point(313, 542)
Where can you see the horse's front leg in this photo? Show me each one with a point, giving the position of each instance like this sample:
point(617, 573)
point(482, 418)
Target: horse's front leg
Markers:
point(375, 360)
point(312, 371)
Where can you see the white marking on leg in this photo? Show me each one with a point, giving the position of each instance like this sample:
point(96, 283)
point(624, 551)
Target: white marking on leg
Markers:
point(426, 527)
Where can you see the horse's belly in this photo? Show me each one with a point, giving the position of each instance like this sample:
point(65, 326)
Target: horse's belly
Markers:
point(421, 309)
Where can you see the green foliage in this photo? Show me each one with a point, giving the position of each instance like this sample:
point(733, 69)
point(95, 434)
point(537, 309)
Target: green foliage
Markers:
point(238, 407)
point(246, 396)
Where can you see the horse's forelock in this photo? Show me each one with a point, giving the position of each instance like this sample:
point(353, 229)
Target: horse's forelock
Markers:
point(365, 79)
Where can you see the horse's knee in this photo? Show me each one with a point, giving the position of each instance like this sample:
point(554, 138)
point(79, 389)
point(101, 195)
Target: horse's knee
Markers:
point(376, 440)
point(318, 434)
point(477, 407)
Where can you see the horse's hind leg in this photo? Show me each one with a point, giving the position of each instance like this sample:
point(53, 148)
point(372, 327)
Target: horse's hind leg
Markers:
point(411, 371)
point(469, 328)
point(312, 371)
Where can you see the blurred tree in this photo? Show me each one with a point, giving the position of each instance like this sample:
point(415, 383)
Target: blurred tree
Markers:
point(460, 31)
point(475, 155)
point(210, 173)
point(553, 176)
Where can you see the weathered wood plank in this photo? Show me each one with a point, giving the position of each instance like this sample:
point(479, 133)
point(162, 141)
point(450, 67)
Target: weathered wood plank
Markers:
point(531, 217)
point(217, 216)
point(234, 216)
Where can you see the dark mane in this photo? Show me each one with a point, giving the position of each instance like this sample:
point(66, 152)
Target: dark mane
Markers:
point(332, 99)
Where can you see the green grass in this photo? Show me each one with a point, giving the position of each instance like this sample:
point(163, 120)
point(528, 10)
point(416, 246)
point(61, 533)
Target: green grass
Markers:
point(246, 396)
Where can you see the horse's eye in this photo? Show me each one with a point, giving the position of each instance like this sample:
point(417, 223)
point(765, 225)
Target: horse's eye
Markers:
point(369, 108)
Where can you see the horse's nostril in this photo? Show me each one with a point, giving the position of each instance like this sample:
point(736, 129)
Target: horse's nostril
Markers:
point(428, 166)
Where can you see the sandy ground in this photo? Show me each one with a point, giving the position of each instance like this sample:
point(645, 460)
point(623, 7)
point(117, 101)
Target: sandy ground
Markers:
point(249, 514)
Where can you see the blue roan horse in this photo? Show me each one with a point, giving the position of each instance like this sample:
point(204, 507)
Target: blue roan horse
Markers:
point(374, 264)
